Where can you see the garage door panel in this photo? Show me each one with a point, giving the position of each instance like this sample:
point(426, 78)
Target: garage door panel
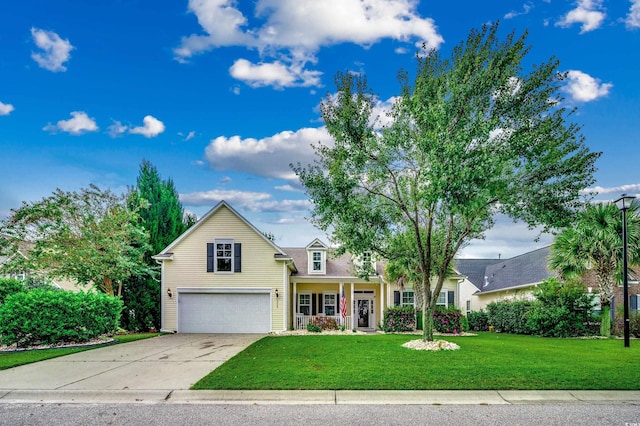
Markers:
point(224, 313)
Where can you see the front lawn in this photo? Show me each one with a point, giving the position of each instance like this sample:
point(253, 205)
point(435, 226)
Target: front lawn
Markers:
point(14, 359)
point(486, 361)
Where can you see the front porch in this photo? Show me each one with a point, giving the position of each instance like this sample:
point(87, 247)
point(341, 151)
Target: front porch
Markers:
point(301, 321)
point(352, 305)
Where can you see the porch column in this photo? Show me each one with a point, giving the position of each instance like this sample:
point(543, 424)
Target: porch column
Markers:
point(381, 311)
point(353, 311)
point(294, 322)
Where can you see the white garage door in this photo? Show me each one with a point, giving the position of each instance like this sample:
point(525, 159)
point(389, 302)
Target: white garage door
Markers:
point(224, 313)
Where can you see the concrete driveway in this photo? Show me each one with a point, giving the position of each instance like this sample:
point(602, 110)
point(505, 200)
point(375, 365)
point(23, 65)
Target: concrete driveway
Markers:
point(168, 362)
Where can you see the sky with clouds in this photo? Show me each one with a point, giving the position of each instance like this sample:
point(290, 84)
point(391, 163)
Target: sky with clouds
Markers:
point(221, 96)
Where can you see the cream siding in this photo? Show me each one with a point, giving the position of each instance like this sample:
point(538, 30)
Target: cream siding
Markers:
point(189, 265)
point(484, 299)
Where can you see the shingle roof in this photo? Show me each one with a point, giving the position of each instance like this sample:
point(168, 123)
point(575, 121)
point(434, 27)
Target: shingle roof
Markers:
point(474, 269)
point(495, 274)
point(528, 268)
point(335, 267)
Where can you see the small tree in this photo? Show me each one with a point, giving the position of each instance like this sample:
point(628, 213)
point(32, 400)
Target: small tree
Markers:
point(472, 136)
point(594, 242)
point(90, 236)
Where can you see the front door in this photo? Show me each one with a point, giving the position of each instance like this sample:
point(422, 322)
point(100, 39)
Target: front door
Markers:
point(365, 313)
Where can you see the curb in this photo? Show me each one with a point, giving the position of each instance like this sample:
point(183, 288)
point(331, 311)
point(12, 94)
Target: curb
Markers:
point(317, 397)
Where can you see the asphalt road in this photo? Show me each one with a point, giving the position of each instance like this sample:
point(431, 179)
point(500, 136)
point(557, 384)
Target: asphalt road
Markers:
point(309, 415)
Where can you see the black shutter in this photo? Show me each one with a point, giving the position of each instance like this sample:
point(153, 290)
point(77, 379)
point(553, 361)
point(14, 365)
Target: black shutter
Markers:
point(396, 298)
point(237, 257)
point(320, 305)
point(209, 257)
point(450, 298)
point(313, 304)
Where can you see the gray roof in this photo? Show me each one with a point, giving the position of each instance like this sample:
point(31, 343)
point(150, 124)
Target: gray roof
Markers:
point(495, 274)
point(335, 267)
point(474, 269)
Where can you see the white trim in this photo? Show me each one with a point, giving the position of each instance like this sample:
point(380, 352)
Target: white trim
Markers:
point(229, 241)
point(223, 290)
point(210, 213)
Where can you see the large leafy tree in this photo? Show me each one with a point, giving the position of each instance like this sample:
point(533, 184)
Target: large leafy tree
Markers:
point(89, 236)
point(163, 217)
point(594, 242)
point(472, 136)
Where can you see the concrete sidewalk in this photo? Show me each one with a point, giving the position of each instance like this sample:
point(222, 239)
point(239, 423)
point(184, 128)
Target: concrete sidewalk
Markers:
point(328, 397)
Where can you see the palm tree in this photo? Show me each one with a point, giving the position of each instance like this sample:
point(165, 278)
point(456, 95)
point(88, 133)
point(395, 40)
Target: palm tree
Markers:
point(595, 243)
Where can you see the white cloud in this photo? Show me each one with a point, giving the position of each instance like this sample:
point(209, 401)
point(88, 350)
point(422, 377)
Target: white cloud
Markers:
point(5, 109)
point(268, 157)
point(587, 12)
point(584, 88)
point(292, 31)
point(151, 127)
point(55, 50)
point(257, 202)
point(525, 9)
point(288, 188)
point(117, 129)
point(633, 18)
point(633, 188)
point(190, 135)
point(79, 124)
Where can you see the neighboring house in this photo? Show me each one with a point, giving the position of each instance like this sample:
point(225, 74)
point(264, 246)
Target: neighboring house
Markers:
point(23, 251)
point(506, 279)
point(225, 276)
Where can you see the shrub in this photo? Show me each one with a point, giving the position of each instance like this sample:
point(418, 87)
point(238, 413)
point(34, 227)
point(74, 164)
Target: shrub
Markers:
point(398, 319)
point(9, 286)
point(312, 328)
point(447, 320)
point(48, 317)
point(509, 316)
point(478, 321)
point(561, 309)
point(324, 323)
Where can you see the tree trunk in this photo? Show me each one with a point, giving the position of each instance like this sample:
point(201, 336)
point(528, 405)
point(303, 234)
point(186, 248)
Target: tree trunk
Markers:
point(427, 313)
point(605, 321)
point(107, 285)
point(427, 322)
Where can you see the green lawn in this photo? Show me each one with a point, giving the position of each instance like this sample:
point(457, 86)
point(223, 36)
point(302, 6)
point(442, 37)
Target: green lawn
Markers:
point(486, 361)
point(13, 359)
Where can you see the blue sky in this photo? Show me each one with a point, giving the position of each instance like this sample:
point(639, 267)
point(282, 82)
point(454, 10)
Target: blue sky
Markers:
point(222, 95)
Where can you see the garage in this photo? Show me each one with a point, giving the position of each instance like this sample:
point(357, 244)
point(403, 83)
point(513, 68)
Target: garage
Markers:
point(224, 311)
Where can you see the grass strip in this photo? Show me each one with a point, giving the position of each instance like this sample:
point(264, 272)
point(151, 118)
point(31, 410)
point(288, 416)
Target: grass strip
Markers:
point(379, 362)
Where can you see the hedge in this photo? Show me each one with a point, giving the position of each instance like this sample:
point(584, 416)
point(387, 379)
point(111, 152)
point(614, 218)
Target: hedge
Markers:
point(9, 286)
point(398, 319)
point(49, 317)
point(509, 316)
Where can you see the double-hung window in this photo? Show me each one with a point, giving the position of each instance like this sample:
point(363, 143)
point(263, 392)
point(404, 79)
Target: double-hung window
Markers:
point(330, 303)
point(317, 261)
point(407, 298)
point(224, 255)
point(304, 303)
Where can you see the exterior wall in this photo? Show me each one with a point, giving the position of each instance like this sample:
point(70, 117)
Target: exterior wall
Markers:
point(467, 294)
point(450, 284)
point(189, 266)
point(482, 300)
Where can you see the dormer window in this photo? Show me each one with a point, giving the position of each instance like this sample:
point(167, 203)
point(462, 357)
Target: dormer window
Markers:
point(317, 257)
point(317, 261)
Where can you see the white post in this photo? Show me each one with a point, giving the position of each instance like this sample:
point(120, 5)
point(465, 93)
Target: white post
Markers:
point(381, 311)
point(295, 306)
point(353, 311)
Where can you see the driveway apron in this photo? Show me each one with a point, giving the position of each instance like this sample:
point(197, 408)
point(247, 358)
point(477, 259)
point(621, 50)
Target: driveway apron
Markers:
point(167, 362)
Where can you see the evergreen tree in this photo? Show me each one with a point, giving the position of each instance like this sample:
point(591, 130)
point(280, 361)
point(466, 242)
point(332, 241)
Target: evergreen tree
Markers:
point(164, 219)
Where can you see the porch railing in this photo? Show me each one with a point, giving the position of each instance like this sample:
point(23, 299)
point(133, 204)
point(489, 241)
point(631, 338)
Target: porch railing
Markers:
point(301, 320)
